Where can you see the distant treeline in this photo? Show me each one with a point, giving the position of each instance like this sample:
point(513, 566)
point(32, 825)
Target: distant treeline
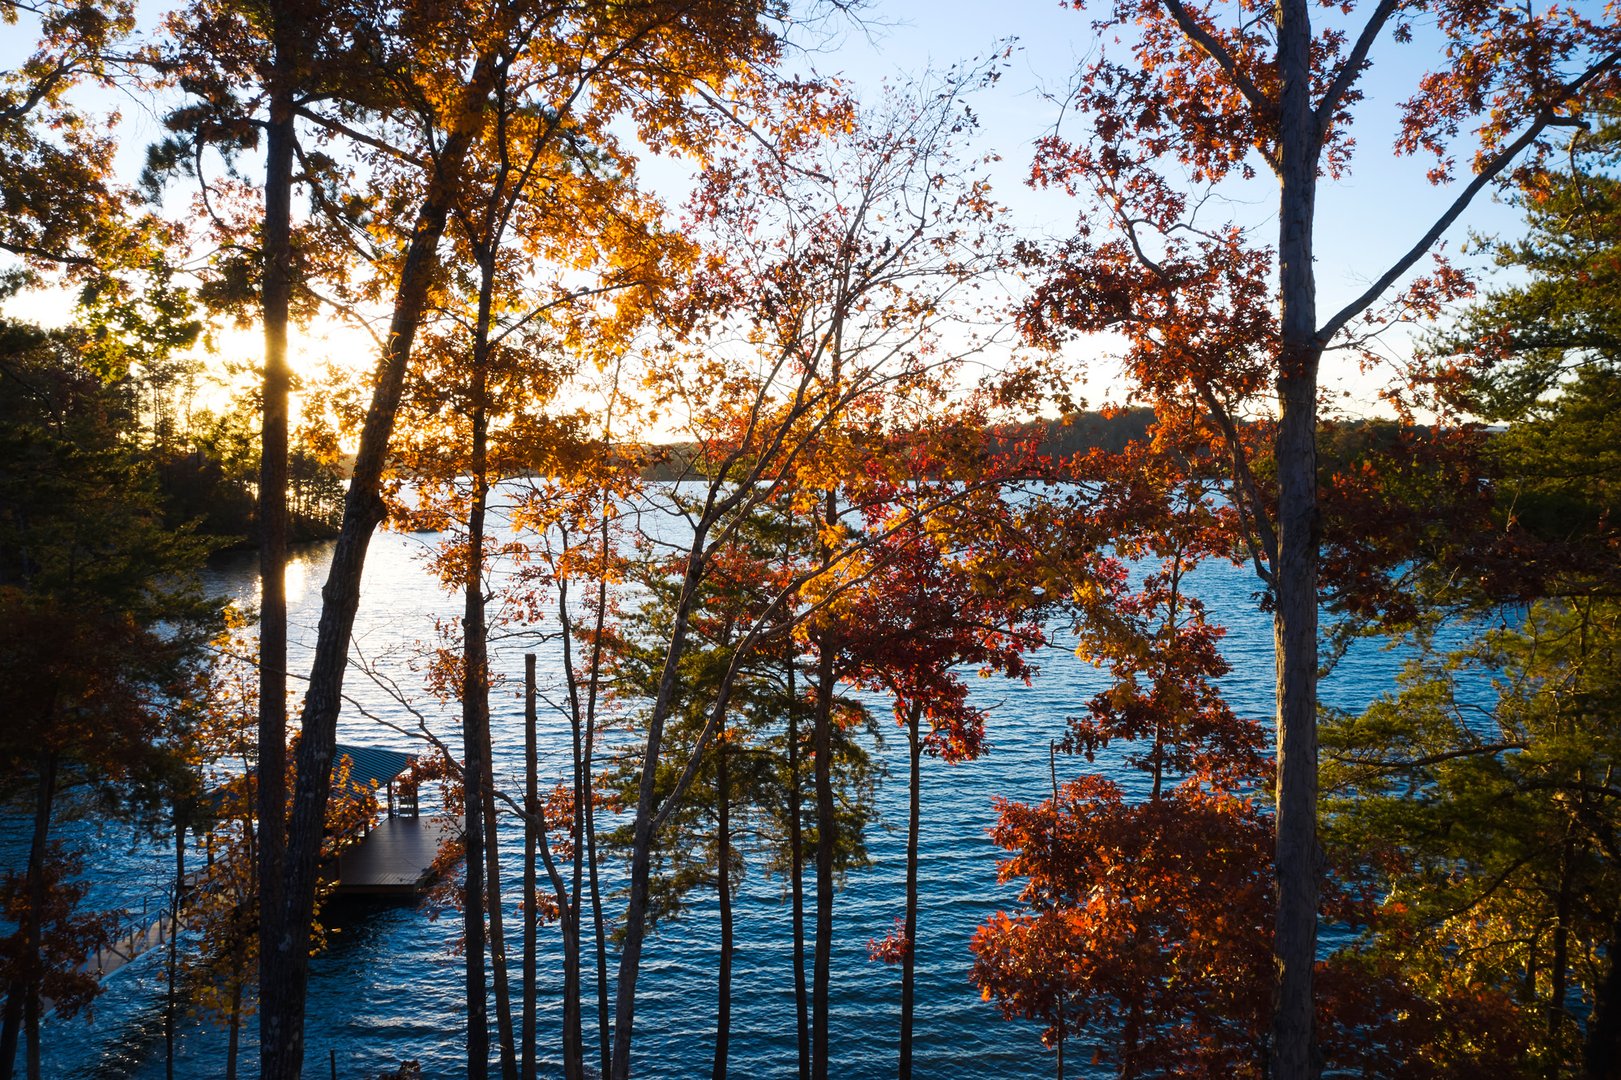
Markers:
point(219, 499)
point(1078, 433)
point(1339, 442)
point(1072, 434)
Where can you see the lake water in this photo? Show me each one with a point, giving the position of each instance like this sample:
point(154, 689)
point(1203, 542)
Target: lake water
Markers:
point(389, 988)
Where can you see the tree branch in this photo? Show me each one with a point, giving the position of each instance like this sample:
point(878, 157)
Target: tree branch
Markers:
point(1352, 67)
point(1488, 173)
point(1428, 759)
point(1213, 48)
point(1249, 499)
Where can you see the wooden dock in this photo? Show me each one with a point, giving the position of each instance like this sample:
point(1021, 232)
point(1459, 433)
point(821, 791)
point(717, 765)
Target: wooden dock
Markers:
point(393, 858)
point(134, 944)
point(396, 858)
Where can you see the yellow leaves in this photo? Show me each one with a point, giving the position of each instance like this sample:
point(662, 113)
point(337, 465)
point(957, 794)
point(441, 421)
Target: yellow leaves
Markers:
point(1088, 593)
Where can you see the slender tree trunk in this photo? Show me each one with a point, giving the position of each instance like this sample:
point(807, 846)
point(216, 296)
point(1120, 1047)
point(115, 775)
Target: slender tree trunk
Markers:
point(477, 675)
point(1560, 972)
point(826, 838)
point(478, 1037)
point(568, 900)
point(1293, 1051)
point(723, 838)
point(285, 963)
point(276, 298)
point(233, 1039)
point(531, 914)
point(582, 727)
point(630, 953)
point(598, 924)
point(573, 1052)
point(600, 943)
point(498, 938)
point(568, 905)
point(33, 931)
point(10, 1027)
point(909, 960)
point(174, 945)
point(573, 979)
point(642, 836)
point(796, 858)
point(569, 897)
point(1603, 1051)
point(573, 1042)
point(476, 699)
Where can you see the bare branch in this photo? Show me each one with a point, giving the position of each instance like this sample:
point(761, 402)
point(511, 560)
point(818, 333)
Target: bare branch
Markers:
point(1428, 759)
point(1488, 173)
point(1352, 67)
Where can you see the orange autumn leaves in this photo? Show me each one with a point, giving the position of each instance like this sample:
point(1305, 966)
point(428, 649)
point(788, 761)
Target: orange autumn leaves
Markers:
point(1143, 922)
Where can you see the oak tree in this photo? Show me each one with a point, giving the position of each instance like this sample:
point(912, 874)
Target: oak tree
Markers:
point(1218, 93)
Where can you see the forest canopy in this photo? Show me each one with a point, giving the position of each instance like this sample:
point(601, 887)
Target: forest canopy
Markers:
point(749, 408)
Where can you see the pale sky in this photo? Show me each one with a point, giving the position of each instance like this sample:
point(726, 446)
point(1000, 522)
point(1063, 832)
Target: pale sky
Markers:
point(1364, 222)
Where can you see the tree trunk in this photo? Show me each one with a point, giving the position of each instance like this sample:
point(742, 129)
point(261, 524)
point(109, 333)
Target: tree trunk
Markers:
point(573, 1043)
point(234, 1038)
point(826, 838)
point(498, 938)
point(285, 963)
point(598, 922)
point(276, 298)
point(1293, 1053)
point(630, 954)
point(174, 945)
point(478, 1036)
point(642, 836)
point(569, 904)
point(600, 943)
point(587, 764)
point(1603, 1050)
point(723, 837)
point(796, 858)
point(476, 700)
point(476, 704)
point(531, 914)
point(909, 960)
point(1295, 639)
point(33, 932)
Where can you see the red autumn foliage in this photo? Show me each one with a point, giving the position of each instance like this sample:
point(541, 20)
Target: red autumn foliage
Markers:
point(1145, 916)
point(1144, 920)
point(893, 948)
point(67, 935)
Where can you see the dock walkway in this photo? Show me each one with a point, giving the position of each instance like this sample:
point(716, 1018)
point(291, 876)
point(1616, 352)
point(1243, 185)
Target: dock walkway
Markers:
point(394, 858)
point(397, 857)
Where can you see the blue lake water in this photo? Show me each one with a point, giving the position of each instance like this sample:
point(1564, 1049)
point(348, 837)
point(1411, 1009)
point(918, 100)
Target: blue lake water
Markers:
point(389, 988)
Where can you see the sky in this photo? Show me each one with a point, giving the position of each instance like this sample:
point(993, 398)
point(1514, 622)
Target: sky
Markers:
point(1364, 221)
